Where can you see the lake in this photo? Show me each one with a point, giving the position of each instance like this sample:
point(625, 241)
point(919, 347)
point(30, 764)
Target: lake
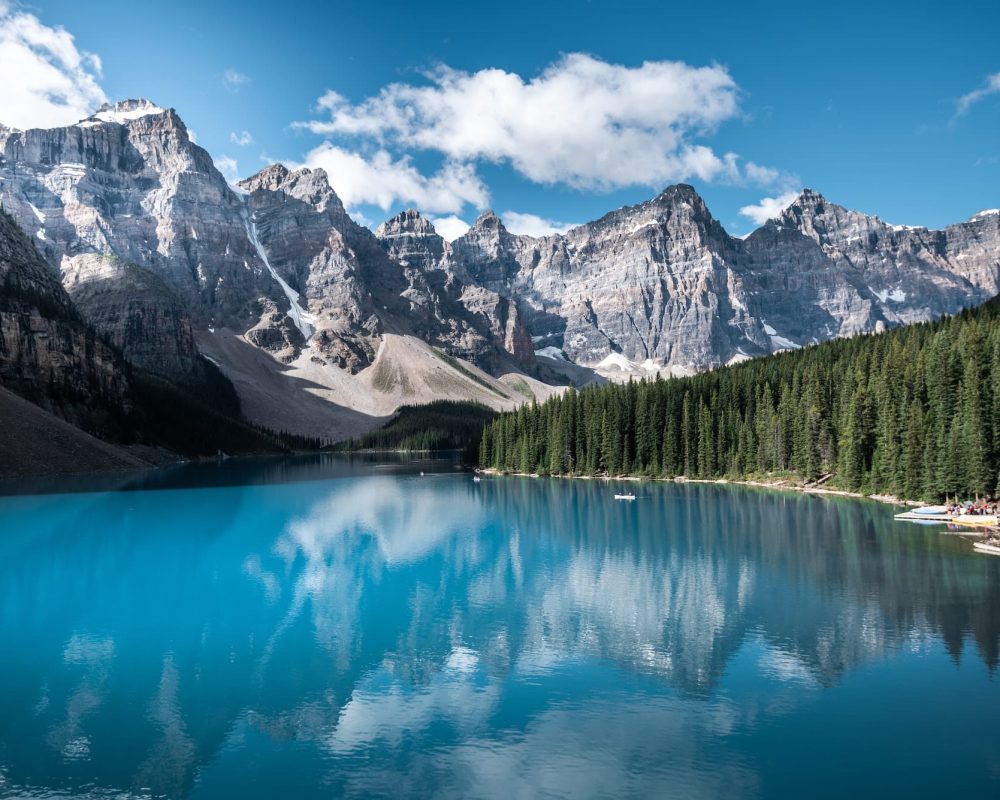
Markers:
point(320, 627)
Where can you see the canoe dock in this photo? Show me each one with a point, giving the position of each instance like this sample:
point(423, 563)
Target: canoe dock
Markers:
point(976, 524)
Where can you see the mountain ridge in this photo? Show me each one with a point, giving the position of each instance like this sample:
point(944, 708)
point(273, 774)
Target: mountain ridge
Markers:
point(277, 263)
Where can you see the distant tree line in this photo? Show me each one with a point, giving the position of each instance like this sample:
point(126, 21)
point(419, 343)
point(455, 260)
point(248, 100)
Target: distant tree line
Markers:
point(913, 412)
point(441, 425)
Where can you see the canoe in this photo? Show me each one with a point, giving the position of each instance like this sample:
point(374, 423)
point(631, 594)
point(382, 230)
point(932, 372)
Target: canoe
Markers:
point(976, 520)
point(624, 497)
point(990, 549)
point(935, 510)
point(911, 516)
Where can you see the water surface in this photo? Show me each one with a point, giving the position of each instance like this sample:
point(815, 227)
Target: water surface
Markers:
point(320, 628)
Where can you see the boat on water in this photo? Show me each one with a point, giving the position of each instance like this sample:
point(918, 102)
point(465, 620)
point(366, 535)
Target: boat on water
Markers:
point(925, 513)
point(624, 497)
point(987, 547)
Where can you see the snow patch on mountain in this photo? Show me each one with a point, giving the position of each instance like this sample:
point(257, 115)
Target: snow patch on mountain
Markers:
point(614, 361)
point(302, 319)
point(781, 343)
point(551, 352)
point(122, 112)
point(897, 295)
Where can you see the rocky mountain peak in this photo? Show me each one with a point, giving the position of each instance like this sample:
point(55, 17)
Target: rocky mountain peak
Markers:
point(406, 223)
point(986, 215)
point(124, 111)
point(679, 193)
point(271, 178)
point(678, 213)
point(308, 185)
point(813, 215)
point(487, 220)
point(808, 203)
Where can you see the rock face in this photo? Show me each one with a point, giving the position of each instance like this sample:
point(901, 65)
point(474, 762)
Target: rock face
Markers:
point(165, 258)
point(47, 353)
point(129, 182)
point(475, 320)
point(661, 285)
point(822, 270)
point(135, 311)
point(277, 259)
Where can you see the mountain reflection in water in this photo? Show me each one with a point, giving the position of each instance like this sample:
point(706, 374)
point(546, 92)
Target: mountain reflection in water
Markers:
point(367, 630)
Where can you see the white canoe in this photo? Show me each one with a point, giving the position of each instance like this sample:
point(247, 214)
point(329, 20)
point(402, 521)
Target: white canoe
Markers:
point(991, 549)
point(911, 516)
point(935, 510)
point(624, 497)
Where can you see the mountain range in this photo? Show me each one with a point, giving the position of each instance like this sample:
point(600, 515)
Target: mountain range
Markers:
point(325, 327)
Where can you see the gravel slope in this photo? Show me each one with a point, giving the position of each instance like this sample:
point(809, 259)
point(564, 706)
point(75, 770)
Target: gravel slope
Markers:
point(35, 442)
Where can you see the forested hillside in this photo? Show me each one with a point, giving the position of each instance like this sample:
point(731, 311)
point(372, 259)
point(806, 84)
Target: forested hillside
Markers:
point(441, 425)
point(913, 412)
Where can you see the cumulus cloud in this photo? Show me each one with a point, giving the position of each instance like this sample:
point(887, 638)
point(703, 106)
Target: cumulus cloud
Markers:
point(769, 207)
point(450, 227)
point(533, 225)
point(242, 139)
point(47, 81)
point(228, 167)
point(232, 79)
point(989, 87)
point(582, 122)
point(383, 181)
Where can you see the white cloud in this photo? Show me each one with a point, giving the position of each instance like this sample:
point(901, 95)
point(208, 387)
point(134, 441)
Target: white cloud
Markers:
point(582, 122)
point(763, 176)
point(533, 225)
point(383, 181)
point(47, 81)
point(990, 86)
point(769, 207)
point(243, 138)
point(450, 227)
point(232, 79)
point(228, 167)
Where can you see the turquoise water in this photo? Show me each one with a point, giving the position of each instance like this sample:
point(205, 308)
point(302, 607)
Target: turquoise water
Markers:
point(319, 628)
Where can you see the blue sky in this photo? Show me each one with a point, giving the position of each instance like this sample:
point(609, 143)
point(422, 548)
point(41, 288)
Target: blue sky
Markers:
point(860, 101)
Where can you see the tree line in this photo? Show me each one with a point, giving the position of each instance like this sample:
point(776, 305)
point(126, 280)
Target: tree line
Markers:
point(913, 412)
point(440, 425)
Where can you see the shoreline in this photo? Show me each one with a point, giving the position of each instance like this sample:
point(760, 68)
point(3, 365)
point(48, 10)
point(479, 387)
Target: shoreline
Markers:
point(776, 485)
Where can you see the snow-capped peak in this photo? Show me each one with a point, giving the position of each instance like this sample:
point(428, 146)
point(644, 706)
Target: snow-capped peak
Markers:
point(989, 212)
point(122, 112)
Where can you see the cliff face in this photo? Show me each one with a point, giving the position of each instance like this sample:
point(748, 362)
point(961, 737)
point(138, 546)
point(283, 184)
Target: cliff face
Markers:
point(276, 260)
point(470, 317)
point(129, 182)
point(137, 312)
point(662, 285)
point(47, 353)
